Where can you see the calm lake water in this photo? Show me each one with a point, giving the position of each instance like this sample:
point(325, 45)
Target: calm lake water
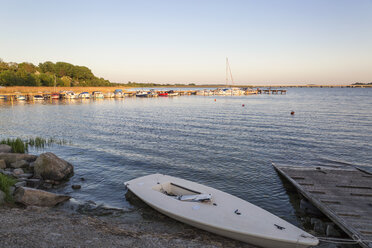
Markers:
point(218, 143)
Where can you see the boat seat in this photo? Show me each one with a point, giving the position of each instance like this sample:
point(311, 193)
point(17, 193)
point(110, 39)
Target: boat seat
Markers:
point(195, 198)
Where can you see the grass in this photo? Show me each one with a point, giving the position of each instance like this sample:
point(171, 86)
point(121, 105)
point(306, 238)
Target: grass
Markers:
point(21, 146)
point(5, 183)
point(18, 146)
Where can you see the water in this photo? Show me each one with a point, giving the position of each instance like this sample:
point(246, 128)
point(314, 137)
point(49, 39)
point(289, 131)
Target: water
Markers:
point(218, 143)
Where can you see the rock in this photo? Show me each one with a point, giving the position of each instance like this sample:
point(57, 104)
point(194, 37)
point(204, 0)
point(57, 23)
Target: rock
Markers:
point(5, 148)
point(20, 184)
point(82, 178)
point(14, 157)
point(47, 186)
point(17, 172)
point(35, 197)
point(33, 182)
point(11, 190)
point(2, 164)
point(51, 167)
point(2, 197)
point(319, 226)
point(331, 231)
point(26, 175)
point(8, 173)
point(76, 186)
point(19, 164)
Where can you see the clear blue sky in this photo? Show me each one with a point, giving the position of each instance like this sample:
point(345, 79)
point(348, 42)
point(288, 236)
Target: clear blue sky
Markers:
point(187, 41)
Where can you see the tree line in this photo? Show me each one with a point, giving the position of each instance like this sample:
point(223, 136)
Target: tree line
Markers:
point(61, 73)
point(48, 73)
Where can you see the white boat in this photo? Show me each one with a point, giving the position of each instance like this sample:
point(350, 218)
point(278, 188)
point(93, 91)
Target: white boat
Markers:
point(20, 98)
point(109, 95)
point(97, 94)
point(84, 95)
point(118, 93)
point(71, 95)
point(38, 97)
point(143, 93)
point(172, 93)
point(218, 212)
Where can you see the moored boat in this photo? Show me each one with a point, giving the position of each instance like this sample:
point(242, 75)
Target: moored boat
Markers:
point(97, 94)
point(84, 95)
point(70, 95)
point(118, 93)
point(109, 95)
point(38, 97)
point(142, 93)
point(163, 94)
point(218, 212)
point(20, 98)
point(55, 96)
point(172, 93)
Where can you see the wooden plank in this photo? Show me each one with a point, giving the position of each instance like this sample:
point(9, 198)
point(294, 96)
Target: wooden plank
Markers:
point(334, 192)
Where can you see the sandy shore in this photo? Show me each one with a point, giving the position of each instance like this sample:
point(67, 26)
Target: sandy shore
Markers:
point(42, 227)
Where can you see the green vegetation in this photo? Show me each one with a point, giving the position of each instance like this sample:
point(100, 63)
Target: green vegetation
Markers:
point(21, 146)
point(64, 74)
point(362, 83)
point(18, 146)
point(5, 183)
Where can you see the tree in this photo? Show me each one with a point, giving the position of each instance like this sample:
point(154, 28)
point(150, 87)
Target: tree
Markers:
point(28, 67)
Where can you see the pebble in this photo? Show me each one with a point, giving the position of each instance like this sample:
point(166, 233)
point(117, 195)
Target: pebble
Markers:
point(17, 172)
point(26, 175)
point(76, 186)
point(20, 184)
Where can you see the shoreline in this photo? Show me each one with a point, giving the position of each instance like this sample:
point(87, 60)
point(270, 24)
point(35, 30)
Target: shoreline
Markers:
point(57, 228)
point(106, 89)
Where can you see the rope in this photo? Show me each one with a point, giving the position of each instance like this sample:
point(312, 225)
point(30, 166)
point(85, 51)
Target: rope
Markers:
point(355, 240)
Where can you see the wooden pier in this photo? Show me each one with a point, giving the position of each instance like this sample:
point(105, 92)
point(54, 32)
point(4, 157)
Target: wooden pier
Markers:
point(344, 195)
point(271, 91)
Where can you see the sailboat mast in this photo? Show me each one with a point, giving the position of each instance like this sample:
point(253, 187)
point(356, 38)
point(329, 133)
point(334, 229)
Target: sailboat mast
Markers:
point(227, 73)
point(55, 83)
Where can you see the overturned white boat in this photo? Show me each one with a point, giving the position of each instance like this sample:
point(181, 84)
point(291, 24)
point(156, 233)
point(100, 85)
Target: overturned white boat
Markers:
point(218, 212)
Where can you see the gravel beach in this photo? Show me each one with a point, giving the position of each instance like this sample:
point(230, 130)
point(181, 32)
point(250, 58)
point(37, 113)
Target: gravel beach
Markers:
point(44, 227)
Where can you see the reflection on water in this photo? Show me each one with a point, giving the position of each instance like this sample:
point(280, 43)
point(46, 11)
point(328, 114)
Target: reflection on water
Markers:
point(217, 143)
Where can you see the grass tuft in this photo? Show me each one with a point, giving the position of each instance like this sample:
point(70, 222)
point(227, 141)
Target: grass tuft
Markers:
point(5, 183)
point(21, 146)
point(18, 146)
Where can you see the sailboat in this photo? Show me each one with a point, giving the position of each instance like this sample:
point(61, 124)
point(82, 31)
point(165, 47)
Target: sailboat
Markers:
point(229, 90)
point(55, 95)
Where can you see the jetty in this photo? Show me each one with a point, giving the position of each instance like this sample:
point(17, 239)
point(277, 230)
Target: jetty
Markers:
point(343, 194)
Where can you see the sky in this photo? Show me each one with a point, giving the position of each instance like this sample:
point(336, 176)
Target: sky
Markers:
point(187, 41)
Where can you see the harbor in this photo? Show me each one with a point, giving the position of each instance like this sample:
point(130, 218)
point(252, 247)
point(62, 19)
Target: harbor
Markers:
point(119, 93)
point(342, 194)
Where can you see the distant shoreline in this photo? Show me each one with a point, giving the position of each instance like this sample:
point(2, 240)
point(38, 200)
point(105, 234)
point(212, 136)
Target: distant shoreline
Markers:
point(36, 89)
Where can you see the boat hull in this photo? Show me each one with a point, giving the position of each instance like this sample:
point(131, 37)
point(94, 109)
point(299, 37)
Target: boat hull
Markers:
point(251, 224)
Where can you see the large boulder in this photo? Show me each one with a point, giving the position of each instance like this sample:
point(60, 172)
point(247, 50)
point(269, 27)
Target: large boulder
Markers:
point(50, 167)
point(5, 148)
point(10, 158)
point(36, 197)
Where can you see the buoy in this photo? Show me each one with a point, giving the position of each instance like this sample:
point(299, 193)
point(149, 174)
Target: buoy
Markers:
point(243, 105)
point(214, 99)
point(292, 113)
